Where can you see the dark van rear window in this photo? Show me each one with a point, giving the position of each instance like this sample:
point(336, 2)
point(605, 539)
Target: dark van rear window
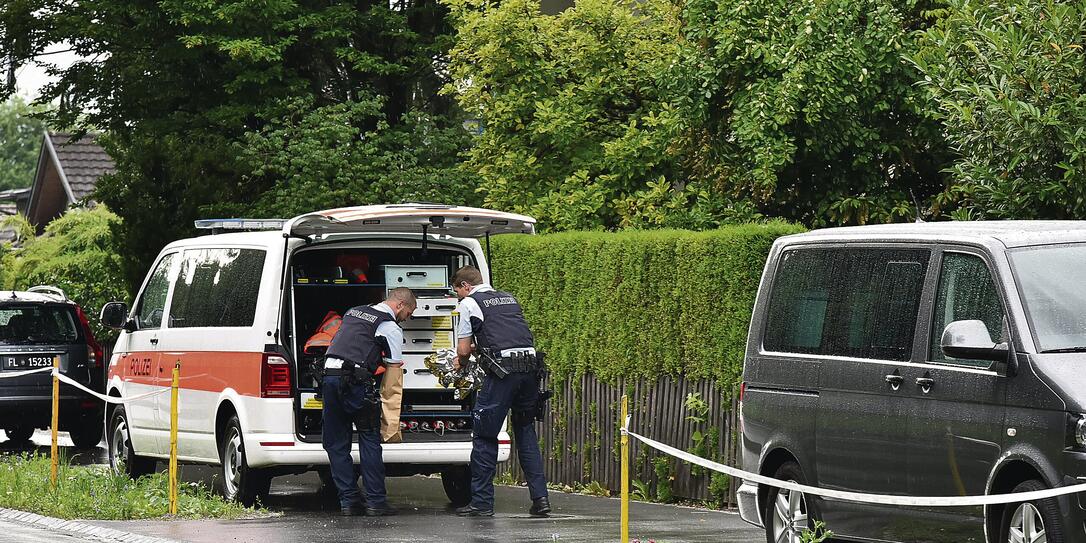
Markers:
point(855, 302)
point(35, 324)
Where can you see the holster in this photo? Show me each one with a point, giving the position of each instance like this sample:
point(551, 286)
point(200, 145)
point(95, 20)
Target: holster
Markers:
point(545, 393)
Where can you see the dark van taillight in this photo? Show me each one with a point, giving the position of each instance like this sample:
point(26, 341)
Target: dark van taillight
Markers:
point(274, 377)
point(94, 349)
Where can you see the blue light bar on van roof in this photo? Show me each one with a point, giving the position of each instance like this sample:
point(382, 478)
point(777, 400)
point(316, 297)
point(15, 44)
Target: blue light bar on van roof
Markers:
point(240, 224)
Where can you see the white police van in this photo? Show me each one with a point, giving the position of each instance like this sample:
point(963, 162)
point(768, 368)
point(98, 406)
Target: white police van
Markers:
point(235, 311)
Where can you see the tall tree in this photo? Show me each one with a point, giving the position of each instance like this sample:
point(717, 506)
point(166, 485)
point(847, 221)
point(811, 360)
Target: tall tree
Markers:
point(572, 112)
point(187, 93)
point(808, 107)
point(20, 142)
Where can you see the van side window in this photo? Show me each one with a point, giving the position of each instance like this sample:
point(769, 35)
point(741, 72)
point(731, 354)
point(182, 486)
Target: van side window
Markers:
point(966, 292)
point(855, 302)
point(217, 287)
point(153, 301)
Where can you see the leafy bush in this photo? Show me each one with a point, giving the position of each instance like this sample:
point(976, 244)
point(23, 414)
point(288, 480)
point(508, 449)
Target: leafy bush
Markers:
point(1010, 84)
point(636, 304)
point(79, 254)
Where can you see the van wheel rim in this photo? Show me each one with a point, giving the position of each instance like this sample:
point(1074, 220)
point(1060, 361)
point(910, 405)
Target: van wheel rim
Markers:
point(231, 464)
point(789, 516)
point(118, 448)
point(1027, 526)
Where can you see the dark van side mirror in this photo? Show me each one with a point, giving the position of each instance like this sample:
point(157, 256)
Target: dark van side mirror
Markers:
point(114, 315)
point(970, 339)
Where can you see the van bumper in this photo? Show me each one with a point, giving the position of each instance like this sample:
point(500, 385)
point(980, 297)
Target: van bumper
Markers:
point(268, 450)
point(747, 496)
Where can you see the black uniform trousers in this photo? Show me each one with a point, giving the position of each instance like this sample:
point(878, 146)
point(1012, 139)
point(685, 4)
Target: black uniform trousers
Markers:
point(519, 391)
point(344, 409)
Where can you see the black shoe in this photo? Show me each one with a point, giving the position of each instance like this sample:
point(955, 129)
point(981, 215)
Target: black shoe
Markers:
point(386, 511)
point(353, 510)
point(541, 507)
point(469, 511)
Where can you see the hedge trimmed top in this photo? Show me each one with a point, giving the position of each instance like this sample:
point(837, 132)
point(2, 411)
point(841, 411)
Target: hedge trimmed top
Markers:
point(639, 303)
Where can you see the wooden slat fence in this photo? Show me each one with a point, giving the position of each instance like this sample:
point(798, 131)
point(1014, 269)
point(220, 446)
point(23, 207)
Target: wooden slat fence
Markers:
point(580, 440)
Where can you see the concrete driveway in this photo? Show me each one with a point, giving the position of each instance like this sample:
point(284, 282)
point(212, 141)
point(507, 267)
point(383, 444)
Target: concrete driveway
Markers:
point(425, 516)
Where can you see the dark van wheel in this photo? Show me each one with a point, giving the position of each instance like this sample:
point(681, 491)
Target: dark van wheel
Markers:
point(88, 433)
point(787, 513)
point(19, 434)
point(240, 483)
point(1027, 522)
point(122, 458)
point(457, 483)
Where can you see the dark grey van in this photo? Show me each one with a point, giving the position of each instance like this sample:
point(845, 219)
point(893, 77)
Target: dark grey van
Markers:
point(938, 359)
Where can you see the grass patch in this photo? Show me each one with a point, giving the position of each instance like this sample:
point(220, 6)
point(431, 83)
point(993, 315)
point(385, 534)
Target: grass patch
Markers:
point(94, 492)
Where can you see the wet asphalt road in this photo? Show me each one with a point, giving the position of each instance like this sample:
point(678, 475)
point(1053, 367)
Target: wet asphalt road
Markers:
point(425, 516)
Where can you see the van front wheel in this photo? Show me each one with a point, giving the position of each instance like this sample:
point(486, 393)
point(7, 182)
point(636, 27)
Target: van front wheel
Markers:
point(1030, 522)
point(122, 457)
point(787, 513)
point(240, 483)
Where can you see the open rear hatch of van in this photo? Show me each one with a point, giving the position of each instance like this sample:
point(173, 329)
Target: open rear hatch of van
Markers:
point(352, 260)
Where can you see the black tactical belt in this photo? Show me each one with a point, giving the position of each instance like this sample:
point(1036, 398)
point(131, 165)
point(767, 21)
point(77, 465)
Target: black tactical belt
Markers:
point(360, 373)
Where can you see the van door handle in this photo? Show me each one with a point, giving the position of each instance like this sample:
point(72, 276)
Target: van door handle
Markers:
point(423, 340)
point(154, 341)
point(895, 380)
point(925, 384)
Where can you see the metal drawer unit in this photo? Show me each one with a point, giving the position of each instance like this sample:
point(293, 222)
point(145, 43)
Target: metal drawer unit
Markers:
point(417, 277)
point(427, 341)
point(429, 329)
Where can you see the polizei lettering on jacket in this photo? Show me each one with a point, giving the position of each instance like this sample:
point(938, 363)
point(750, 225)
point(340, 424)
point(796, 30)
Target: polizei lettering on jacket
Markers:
point(504, 300)
point(358, 314)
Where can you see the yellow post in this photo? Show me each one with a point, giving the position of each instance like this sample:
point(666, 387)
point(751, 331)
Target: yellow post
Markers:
point(173, 437)
point(55, 422)
point(625, 475)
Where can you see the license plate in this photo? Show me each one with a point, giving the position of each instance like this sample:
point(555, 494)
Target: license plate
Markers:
point(27, 361)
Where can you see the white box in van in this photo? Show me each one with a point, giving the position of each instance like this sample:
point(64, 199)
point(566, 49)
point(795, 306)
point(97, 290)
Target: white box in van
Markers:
point(417, 277)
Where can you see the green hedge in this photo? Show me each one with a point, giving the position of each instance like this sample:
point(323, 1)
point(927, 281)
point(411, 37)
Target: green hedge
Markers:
point(639, 303)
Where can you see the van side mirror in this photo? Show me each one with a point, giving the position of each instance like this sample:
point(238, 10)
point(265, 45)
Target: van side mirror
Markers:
point(970, 339)
point(114, 315)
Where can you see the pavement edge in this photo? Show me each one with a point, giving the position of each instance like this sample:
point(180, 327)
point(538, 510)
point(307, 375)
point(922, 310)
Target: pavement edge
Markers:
point(75, 527)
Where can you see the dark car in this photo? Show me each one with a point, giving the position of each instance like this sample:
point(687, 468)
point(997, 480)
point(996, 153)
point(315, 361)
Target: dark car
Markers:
point(37, 327)
point(938, 359)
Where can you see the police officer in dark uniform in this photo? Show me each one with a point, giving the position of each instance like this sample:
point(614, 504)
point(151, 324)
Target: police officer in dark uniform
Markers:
point(505, 347)
point(368, 338)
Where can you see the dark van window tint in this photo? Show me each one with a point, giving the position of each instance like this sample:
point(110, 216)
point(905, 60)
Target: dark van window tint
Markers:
point(217, 287)
point(151, 305)
point(852, 302)
point(966, 292)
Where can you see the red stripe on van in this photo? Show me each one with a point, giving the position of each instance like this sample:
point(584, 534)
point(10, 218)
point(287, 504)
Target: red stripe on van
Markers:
point(208, 371)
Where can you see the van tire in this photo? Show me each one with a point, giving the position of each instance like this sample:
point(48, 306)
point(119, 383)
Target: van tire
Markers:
point(122, 457)
point(771, 518)
point(19, 434)
point(239, 483)
point(457, 483)
point(1047, 511)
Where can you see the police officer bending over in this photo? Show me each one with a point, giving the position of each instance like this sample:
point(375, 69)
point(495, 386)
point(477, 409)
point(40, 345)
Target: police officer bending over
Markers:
point(505, 347)
point(368, 338)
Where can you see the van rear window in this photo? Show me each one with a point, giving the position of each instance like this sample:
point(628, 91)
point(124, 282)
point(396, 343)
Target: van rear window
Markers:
point(217, 287)
point(855, 302)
